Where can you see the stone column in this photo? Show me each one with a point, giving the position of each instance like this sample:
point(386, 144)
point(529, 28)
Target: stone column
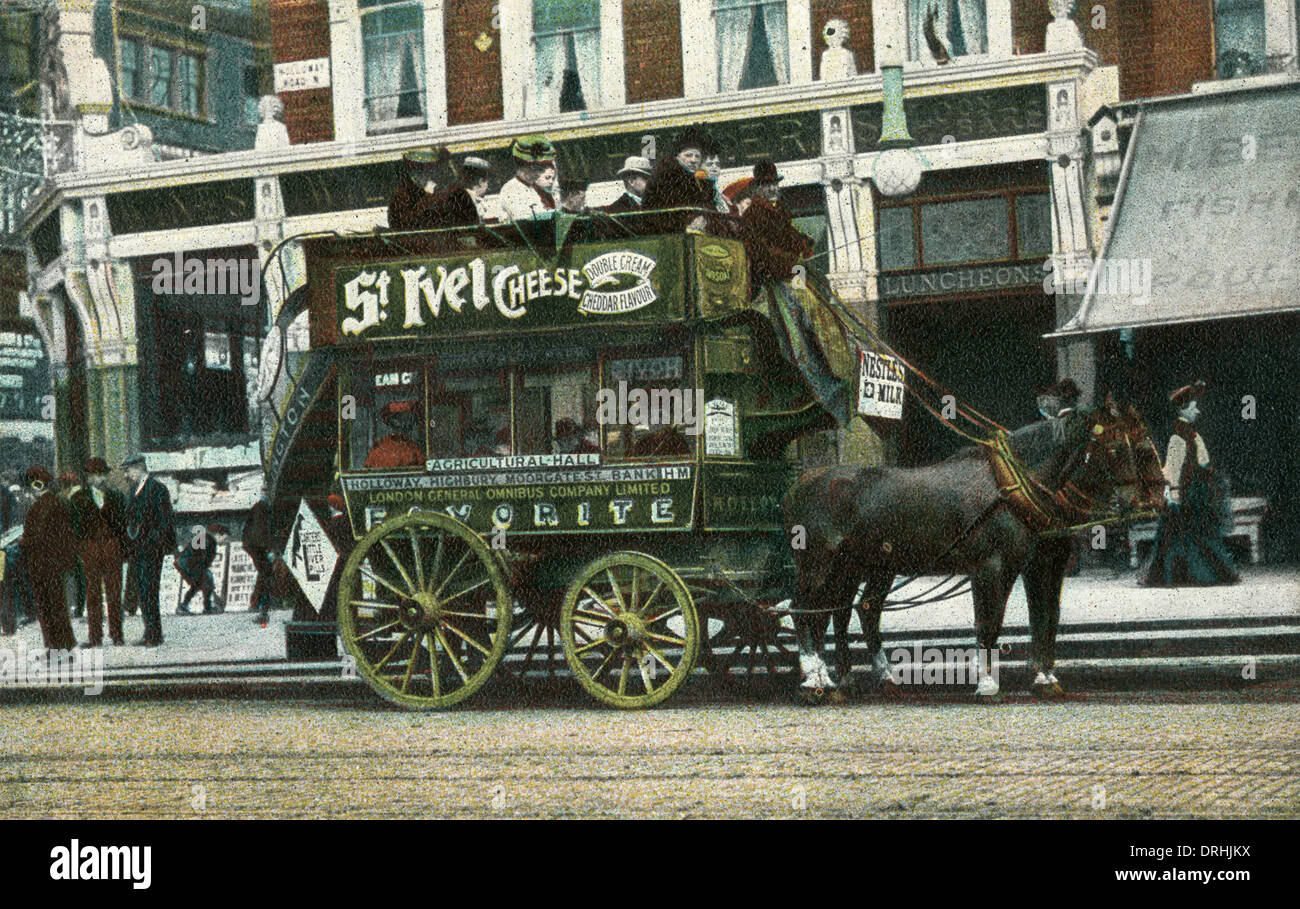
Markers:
point(1071, 243)
point(347, 71)
point(435, 65)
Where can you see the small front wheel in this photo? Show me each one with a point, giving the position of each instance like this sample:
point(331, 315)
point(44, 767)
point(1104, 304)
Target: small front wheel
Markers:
point(630, 630)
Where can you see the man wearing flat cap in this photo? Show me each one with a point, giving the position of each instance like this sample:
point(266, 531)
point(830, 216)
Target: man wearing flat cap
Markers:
point(398, 448)
point(677, 181)
point(1188, 547)
point(50, 554)
point(102, 513)
point(635, 174)
point(461, 204)
point(150, 537)
point(424, 172)
point(521, 198)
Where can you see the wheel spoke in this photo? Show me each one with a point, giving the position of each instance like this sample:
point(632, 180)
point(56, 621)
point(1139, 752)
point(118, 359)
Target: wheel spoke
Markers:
point(468, 552)
point(676, 607)
point(618, 594)
point(374, 576)
point(374, 604)
point(622, 676)
point(661, 658)
point(469, 589)
point(651, 598)
point(388, 656)
point(483, 616)
point(636, 573)
point(419, 558)
point(585, 647)
point(437, 557)
point(433, 666)
point(380, 629)
point(455, 660)
point(397, 563)
point(532, 647)
point(667, 639)
point(410, 666)
point(467, 639)
point(599, 600)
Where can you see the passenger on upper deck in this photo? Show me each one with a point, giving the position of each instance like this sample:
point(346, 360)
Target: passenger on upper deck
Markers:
point(410, 207)
point(461, 204)
point(635, 174)
point(674, 184)
point(773, 243)
point(398, 449)
point(526, 195)
point(573, 195)
point(712, 168)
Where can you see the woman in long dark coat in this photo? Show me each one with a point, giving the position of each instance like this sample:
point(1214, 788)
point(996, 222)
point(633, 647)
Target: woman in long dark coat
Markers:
point(1189, 547)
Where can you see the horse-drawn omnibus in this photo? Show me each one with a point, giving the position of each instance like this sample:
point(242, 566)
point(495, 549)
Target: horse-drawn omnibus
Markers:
point(571, 433)
point(580, 444)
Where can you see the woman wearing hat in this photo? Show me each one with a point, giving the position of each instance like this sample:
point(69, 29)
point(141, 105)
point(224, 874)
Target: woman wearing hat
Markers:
point(1188, 546)
point(461, 204)
point(523, 197)
point(411, 205)
point(50, 556)
point(398, 449)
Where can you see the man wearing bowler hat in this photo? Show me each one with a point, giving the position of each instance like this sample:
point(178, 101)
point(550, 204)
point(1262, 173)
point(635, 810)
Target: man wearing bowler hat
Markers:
point(50, 553)
point(635, 175)
point(101, 511)
point(772, 241)
point(150, 536)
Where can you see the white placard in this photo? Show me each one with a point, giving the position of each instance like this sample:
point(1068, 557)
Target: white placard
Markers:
point(881, 381)
point(721, 428)
point(240, 580)
point(310, 555)
point(299, 75)
point(216, 350)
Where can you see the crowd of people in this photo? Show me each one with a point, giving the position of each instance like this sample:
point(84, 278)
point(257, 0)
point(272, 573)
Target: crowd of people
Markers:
point(436, 192)
point(68, 545)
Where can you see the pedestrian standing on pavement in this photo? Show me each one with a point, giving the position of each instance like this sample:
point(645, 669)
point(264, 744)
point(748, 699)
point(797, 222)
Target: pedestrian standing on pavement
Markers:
point(49, 552)
point(258, 543)
point(69, 485)
point(1189, 547)
point(195, 567)
point(17, 599)
point(102, 511)
point(150, 536)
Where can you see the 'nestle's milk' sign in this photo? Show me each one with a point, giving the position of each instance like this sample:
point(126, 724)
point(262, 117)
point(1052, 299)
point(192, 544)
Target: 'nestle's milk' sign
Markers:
point(880, 386)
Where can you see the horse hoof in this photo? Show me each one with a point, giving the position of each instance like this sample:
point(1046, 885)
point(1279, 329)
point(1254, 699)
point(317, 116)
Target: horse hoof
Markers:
point(836, 696)
point(1048, 690)
point(987, 689)
point(813, 697)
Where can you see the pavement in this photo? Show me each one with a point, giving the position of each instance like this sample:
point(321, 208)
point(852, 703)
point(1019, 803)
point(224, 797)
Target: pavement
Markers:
point(1105, 619)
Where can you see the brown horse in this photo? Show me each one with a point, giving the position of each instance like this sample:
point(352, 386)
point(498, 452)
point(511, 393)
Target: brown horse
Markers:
point(984, 515)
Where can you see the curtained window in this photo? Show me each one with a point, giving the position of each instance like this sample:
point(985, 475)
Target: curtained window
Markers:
point(753, 44)
point(566, 41)
point(1239, 37)
point(961, 26)
point(164, 77)
point(392, 42)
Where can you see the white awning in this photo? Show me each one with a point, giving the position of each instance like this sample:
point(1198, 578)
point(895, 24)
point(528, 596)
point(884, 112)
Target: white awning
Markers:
point(1210, 213)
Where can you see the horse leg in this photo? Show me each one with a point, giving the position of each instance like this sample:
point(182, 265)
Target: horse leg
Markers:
point(990, 587)
point(810, 632)
point(1043, 575)
point(870, 611)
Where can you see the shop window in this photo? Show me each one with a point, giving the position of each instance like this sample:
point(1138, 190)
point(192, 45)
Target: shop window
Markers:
point(17, 63)
point(392, 39)
point(753, 44)
point(162, 77)
point(959, 28)
point(896, 239)
point(1239, 37)
point(1033, 225)
point(648, 407)
point(970, 230)
point(566, 39)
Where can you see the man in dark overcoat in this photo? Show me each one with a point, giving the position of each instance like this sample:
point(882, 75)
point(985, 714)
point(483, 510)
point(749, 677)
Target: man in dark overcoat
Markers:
point(150, 536)
point(50, 554)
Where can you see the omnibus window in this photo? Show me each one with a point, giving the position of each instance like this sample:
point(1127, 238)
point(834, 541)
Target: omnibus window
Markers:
point(556, 411)
point(469, 415)
point(648, 408)
point(387, 429)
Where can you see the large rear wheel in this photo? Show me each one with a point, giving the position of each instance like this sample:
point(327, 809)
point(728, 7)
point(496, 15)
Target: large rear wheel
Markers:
point(630, 630)
point(424, 610)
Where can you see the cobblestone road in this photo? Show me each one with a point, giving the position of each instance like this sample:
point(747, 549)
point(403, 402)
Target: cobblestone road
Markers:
point(337, 753)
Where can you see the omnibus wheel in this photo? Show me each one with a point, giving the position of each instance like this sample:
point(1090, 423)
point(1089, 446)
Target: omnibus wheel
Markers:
point(630, 630)
point(424, 610)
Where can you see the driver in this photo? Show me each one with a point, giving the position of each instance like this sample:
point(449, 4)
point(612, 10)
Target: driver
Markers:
point(398, 448)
